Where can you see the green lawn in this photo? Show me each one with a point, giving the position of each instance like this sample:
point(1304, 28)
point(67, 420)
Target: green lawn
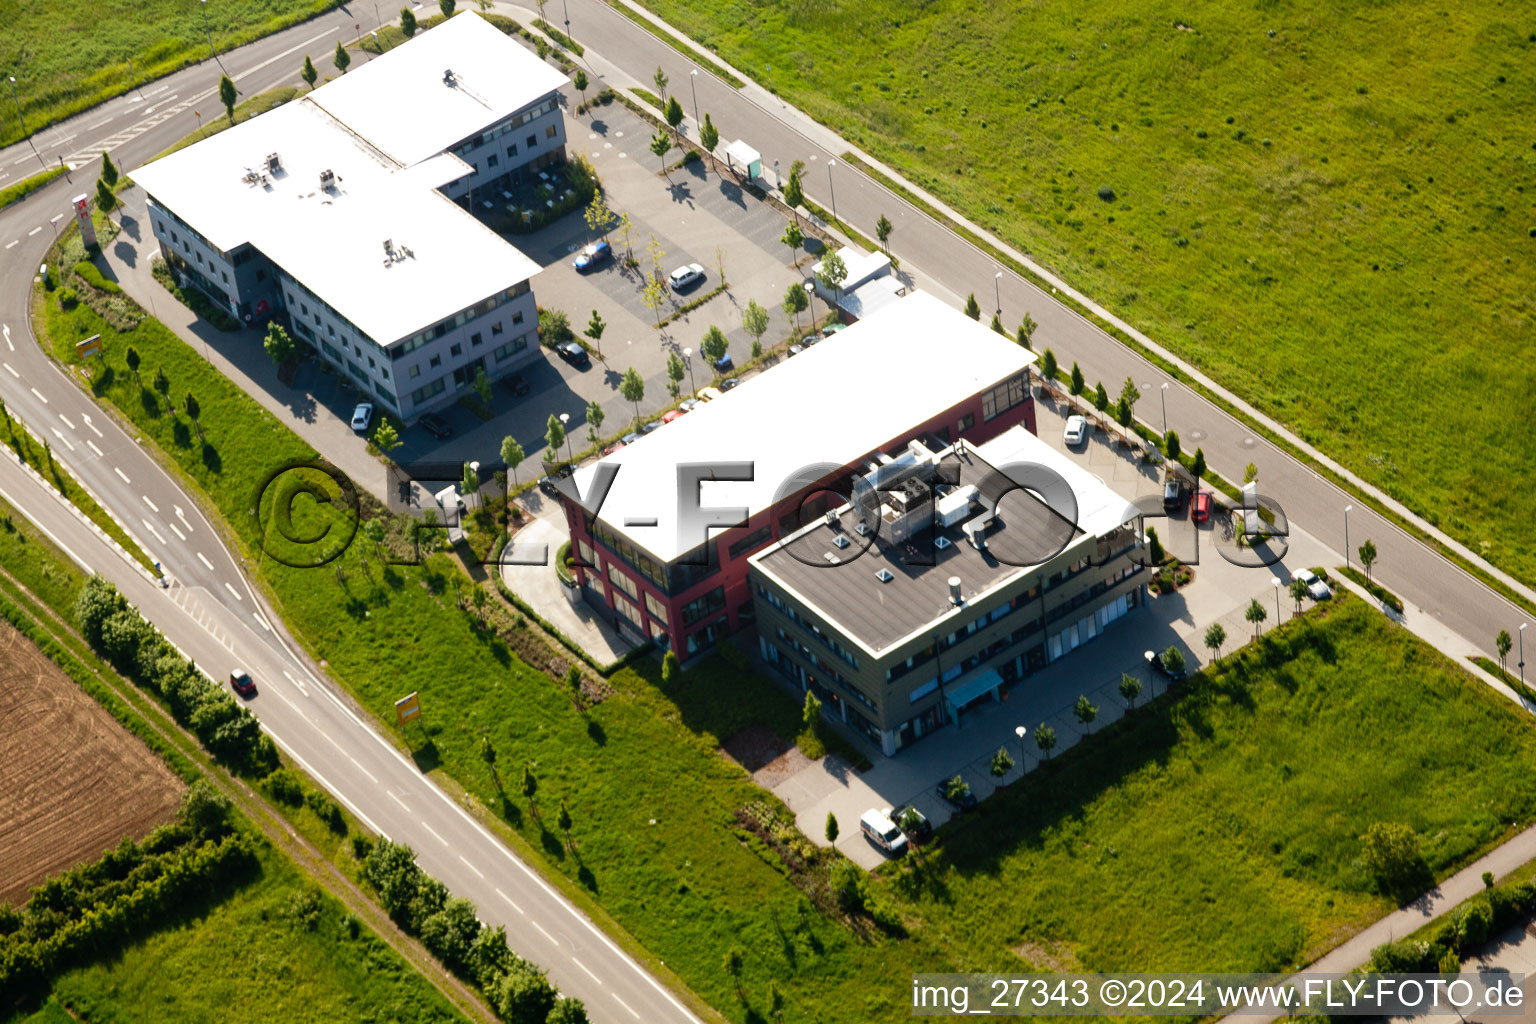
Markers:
point(1331, 210)
point(73, 54)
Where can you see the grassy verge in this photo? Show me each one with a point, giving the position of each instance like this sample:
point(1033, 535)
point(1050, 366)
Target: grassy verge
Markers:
point(559, 37)
point(72, 55)
point(693, 55)
point(648, 96)
point(1513, 682)
point(1373, 588)
point(244, 111)
point(27, 186)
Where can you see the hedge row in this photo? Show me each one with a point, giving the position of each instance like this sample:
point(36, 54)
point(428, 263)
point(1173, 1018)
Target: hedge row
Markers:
point(119, 633)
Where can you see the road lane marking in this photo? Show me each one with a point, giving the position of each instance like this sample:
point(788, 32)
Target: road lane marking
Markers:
point(86, 419)
point(151, 528)
point(255, 615)
point(12, 372)
point(548, 936)
point(42, 397)
point(179, 535)
point(291, 704)
point(202, 558)
point(56, 219)
point(35, 231)
point(153, 507)
point(60, 435)
point(233, 591)
point(583, 966)
point(622, 1003)
point(119, 472)
point(439, 838)
point(397, 800)
point(471, 866)
point(92, 446)
point(509, 900)
point(7, 327)
point(344, 753)
point(295, 682)
point(98, 124)
point(321, 779)
point(12, 245)
point(68, 424)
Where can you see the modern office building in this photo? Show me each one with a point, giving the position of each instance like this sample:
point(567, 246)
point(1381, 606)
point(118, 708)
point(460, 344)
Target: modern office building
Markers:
point(952, 573)
point(802, 432)
point(345, 211)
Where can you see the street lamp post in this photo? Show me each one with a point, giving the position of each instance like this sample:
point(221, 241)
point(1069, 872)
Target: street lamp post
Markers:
point(1021, 732)
point(1346, 535)
point(1151, 680)
point(831, 164)
point(565, 5)
point(209, 30)
point(688, 358)
point(1521, 632)
point(693, 88)
point(810, 298)
point(23, 120)
point(997, 290)
point(565, 418)
point(137, 85)
point(1274, 581)
point(1165, 408)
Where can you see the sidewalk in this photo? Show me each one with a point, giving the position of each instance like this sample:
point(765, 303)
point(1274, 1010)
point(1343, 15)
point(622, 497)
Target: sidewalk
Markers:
point(536, 583)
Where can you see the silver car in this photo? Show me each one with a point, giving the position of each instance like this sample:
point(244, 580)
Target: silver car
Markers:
point(1315, 586)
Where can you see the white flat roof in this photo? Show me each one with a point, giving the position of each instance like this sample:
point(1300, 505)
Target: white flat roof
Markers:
point(399, 102)
point(835, 403)
point(1100, 509)
point(333, 240)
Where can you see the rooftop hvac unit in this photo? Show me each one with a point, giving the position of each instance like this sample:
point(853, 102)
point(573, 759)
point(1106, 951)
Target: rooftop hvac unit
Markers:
point(831, 518)
point(327, 178)
point(954, 590)
point(831, 558)
point(448, 78)
point(274, 163)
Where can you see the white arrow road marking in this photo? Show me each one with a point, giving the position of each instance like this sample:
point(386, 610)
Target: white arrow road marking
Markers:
point(151, 527)
point(92, 446)
point(87, 420)
point(236, 594)
point(204, 559)
point(42, 397)
point(509, 901)
point(155, 508)
point(60, 435)
point(183, 517)
point(120, 473)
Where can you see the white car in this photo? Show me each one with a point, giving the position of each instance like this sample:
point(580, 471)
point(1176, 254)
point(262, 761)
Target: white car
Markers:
point(362, 416)
point(1077, 429)
point(686, 277)
point(879, 829)
point(1315, 586)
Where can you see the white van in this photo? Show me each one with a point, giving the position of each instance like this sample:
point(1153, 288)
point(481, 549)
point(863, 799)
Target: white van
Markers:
point(879, 829)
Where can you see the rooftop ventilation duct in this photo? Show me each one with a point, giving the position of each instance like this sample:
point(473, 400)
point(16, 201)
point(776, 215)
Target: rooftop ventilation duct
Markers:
point(954, 591)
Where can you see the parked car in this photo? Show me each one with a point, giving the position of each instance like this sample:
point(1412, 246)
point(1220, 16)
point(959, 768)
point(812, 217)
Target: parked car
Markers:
point(436, 426)
point(709, 394)
point(574, 354)
point(630, 438)
point(809, 340)
point(831, 329)
point(957, 793)
point(242, 683)
point(362, 417)
point(614, 447)
point(724, 364)
point(1076, 430)
point(1162, 668)
point(730, 383)
point(1173, 494)
point(593, 256)
point(882, 831)
point(795, 350)
point(1318, 590)
point(685, 277)
point(653, 425)
point(517, 384)
point(673, 414)
point(547, 485)
point(689, 404)
point(911, 821)
point(1200, 510)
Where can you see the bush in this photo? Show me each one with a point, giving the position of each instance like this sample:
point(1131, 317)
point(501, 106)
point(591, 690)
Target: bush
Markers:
point(327, 811)
point(1106, 193)
point(554, 326)
point(68, 299)
point(91, 275)
point(284, 787)
point(1474, 923)
point(1401, 957)
point(735, 657)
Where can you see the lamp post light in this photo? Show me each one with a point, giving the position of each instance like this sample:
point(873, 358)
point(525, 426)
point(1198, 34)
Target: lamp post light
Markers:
point(1274, 581)
point(693, 76)
point(23, 120)
point(1151, 679)
point(831, 164)
point(1165, 408)
point(1346, 535)
point(688, 358)
point(1021, 732)
point(778, 180)
point(565, 418)
point(565, 5)
point(997, 290)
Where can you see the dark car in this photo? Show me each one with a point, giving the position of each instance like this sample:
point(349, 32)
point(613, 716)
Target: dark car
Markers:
point(729, 383)
point(242, 683)
point(724, 364)
point(517, 384)
point(594, 255)
point(436, 426)
point(548, 487)
point(1160, 666)
point(957, 793)
point(912, 821)
point(1173, 494)
point(573, 354)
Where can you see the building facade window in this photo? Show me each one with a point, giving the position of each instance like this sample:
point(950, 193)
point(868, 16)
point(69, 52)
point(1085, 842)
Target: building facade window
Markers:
point(1010, 393)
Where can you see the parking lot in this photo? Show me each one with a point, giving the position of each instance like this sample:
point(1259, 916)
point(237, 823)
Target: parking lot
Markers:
point(695, 217)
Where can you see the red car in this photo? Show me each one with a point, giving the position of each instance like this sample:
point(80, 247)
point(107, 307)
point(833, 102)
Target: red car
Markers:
point(672, 414)
point(242, 683)
point(1200, 511)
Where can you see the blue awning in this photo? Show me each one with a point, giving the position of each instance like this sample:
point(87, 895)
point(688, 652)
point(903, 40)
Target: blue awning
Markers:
point(963, 693)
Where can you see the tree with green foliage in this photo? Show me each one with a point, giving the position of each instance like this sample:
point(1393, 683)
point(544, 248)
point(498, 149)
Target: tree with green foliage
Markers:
point(1027, 330)
point(1130, 689)
point(1129, 393)
point(108, 170)
point(673, 114)
point(810, 713)
point(670, 667)
point(512, 455)
point(833, 273)
point(1197, 465)
point(132, 358)
point(1298, 591)
point(407, 22)
point(883, 230)
point(385, 437)
point(714, 345)
point(1085, 711)
point(563, 822)
point(162, 383)
point(524, 995)
point(1002, 763)
point(469, 483)
point(1173, 660)
point(1367, 553)
point(1123, 413)
point(972, 307)
point(653, 297)
point(831, 827)
point(598, 216)
point(1256, 615)
point(794, 192)
point(661, 145)
point(1215, 636)
point(632, 387)
point(795, 302)
point(660, 80)
point(1390, 851)
point(732, 966)
point(227, 96)
point(1250, 473)
point(341, 58)
point(793, 237)
point(1076, 384)
point(709, 135)
point(595, 328)
point(446, 6)
point(595, 417)
point(482, 385)
point(568, 1011)
point(1155, 547)
point(1048, 367)
point(206, 811)
point(530, 789)
point(997, 325)
point(311, 76)
point(1045, 739)
point(488, 755)
point(106, 199)
point(1100, 398)
point(1171, 445)
point(581, 83)
point(1502, 643)
point(754, 320)
point(676, 371)
point(278, 343)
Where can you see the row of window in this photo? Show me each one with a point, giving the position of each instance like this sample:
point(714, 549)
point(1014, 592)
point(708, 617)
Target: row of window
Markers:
point(459, 319)
point(705, 604)
point(512, 123)
point(793, 615)
point(1010, 393)
point(794, 644)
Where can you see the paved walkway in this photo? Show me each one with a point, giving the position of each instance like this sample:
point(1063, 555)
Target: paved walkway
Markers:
point(533, 579)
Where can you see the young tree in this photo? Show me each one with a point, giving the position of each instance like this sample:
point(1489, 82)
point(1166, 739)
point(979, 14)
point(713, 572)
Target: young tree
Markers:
point(308, 72)
point(661, 145)
point(1130, 688)
point(580, 82)
point(1197, 466)
point(595, 328)
point(194, 412)
point(512, 455)
point(709, 135)
point(795, 302)
point(469, 483)
point(488, 755)
point(794, 194)
point(482, 384)
point(627, 232)
point(720, 262)
point(833, 273)
point(1100, 398)
point(1048, 367)
point(1076, 385)
point(1155, 547)
point(674, 117)
point(883, 232)
point(754, 320)
point(1298, 591)
point(1256, 615)
point(1250, 473)
point(106, 200)
point(714, 345)
point(341, 58)
point(997, 325)
point(653, 296)
point(1215, 636)
point(227, 96)
point(632, 387)
point(133, 362)
point(1173, 660)
point(660, 80)
point(1027, 330)
point(1129, 393)
point(670, 667)
point(108, 171)
point(810, 714)
point(407, 22)
point(385, 437)
point(1123, 413)
point(972, 307)
point(732, 964)
point(1171, 445)
point(1002, 763)
point(446, 6)
point(598, 216)
point(162, 384)
point(1502, 643)
point(676, 371)
point(1045, 739)
point(530, 789)
point(541, 4)
point(793, 237)
point(563, 822)
point(278, 343)
point(831, 827)
point(595, 417)
point(1085, 711)
point(554, 435)
point(1367, 554)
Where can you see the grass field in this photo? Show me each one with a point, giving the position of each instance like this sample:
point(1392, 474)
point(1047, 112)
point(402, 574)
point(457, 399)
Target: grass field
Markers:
point(1332, 210)
point(73, 54)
